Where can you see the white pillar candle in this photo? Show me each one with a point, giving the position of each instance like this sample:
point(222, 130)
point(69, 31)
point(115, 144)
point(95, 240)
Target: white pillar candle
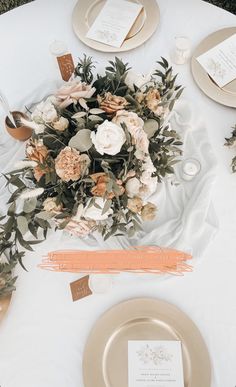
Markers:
point(182, 50)
point(100, 283)
point(190, 169)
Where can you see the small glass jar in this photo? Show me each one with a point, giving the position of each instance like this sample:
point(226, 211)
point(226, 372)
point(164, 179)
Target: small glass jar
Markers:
point(182, 50)
point(190, 169)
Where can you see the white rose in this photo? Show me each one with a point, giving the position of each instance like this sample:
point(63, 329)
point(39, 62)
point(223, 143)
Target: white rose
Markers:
point(44, 111)
point(132, 187)
point(109, 138)
point(139, 80)
point(61, 124)
point(95, 213)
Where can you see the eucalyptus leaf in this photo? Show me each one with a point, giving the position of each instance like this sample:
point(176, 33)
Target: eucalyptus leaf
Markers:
point(81, 141)
point(30, 205)
point(95, 118)
point(83, 103)
point(150, 127)
point(22, 224)
point(79, 115)
point(96, 111)
point(45, 215)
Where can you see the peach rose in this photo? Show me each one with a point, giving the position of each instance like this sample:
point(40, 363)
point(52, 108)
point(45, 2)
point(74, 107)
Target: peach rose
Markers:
point(111, 103)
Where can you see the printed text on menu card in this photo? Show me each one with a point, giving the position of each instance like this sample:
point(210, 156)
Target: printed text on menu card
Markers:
point(155, 364)
point(220, 61)
point(114, 22)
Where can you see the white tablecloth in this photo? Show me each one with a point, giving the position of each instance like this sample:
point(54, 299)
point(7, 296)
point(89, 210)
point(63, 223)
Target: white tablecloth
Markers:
point(43, 335)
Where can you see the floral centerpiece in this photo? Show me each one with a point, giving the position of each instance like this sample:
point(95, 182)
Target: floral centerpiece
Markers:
point(231, 143)
point(98, 151)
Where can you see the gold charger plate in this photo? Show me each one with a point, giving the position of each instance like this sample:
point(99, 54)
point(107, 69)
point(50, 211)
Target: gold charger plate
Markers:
point(105, 362)
point(86, 11)
point(226, 95)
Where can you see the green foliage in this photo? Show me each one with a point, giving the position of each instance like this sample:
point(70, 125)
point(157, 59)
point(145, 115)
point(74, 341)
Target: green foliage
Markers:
point(231, 142)
point(84, 69)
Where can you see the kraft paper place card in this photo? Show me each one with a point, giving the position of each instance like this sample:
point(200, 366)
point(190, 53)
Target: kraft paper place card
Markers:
point(220, 61)
point(155, 364)
point(80, 288)
point(114, 22)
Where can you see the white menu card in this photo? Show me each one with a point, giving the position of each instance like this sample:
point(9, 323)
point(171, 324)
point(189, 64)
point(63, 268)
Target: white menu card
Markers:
point(114, 22)
point(220, 61)
point(155, 364)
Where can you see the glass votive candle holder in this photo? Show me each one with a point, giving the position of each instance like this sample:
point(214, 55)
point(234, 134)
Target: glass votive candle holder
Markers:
point(190, 169)
point(100, 283)
point(182, 50)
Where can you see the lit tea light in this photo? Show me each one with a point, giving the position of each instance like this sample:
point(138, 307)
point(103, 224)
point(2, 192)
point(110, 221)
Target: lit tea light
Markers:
point(182, 50)
point(190, 169)
point(99, 283)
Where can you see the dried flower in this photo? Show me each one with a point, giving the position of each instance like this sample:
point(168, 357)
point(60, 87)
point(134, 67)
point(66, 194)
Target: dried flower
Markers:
point(44, 112)
point(135, 204)
point(152, 100)
point(100, 189)
point(72, 92)
point(70, 164)
point(36, 151)
point(148, 211)
point(112, 103)
point(61, 124)
point(50, 205)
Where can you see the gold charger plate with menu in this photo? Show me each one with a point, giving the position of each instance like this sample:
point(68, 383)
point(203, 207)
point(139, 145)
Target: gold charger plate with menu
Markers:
point(86, 11)
point(226, 95)
point(105, 362)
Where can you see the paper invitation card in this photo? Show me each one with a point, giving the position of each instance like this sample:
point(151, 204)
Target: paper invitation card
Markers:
point(155, 364)
point(220, 61)
point(114, 22)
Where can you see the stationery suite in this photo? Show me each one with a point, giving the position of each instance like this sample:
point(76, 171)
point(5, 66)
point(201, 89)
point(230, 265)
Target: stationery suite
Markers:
point(114, 22)
point(220, 61)
point(155, 364)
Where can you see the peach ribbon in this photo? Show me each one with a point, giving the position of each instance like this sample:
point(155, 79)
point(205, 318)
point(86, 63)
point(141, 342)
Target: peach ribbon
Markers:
point(146, 259)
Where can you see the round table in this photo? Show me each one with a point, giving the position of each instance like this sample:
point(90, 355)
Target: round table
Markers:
point(43, 335)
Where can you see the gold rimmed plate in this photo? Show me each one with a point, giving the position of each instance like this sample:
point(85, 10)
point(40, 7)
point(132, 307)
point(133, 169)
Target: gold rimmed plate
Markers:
point(86, 11)
point(226, 95)
point(142, 319)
